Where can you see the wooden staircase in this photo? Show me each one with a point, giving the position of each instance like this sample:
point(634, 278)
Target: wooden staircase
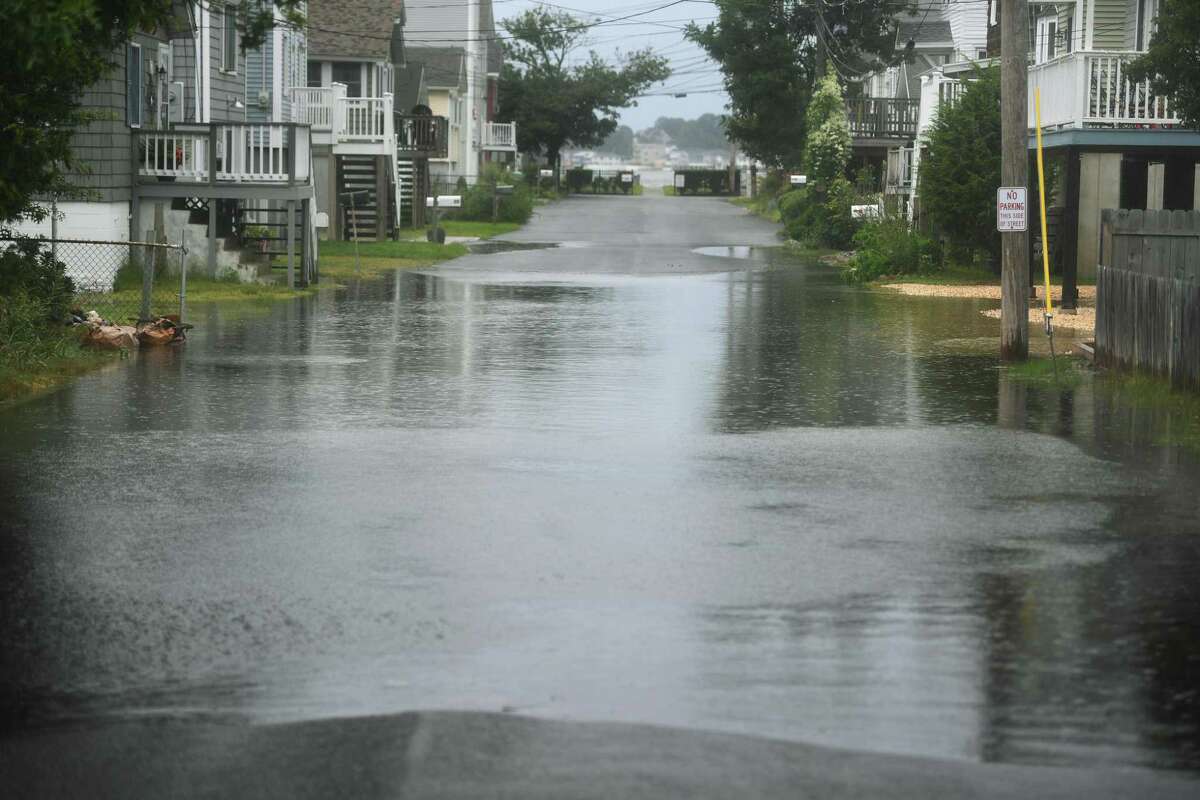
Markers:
point(368, 219)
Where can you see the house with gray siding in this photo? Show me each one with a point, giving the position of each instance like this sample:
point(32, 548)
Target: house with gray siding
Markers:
point(172, 153)
point(373, 131)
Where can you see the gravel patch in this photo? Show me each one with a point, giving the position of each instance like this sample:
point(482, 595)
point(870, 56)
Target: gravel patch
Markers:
point(1087, 294)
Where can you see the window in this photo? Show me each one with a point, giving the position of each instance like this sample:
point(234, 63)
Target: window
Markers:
point(350, 75)
point(229, 39)
point(133, 86)
point(314, 73)
point(981, 54)
point(1047, 31)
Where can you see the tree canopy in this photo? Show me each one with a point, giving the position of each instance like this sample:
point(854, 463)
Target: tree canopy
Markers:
point(1172, 61)
point(772, 52)
point(619, 142)
point(706, 132)
point(555, 103)
point(57, 48)
point(959, 175)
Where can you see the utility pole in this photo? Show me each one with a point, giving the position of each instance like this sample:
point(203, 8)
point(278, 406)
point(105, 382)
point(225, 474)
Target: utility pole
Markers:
point(1014, 171)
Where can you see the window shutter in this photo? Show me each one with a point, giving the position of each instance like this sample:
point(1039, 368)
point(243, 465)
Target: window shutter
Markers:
point(133, 86)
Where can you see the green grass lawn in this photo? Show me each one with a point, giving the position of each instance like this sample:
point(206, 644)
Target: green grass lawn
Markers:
point(455, 227)
point(337, 261)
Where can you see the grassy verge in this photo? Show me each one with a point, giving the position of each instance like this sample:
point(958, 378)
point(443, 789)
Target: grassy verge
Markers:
point(669, 191)
point(338, 258)
point(43, 361)
point(953, 275)
point(1043, 372)
point(456, 227)
point(1149, 393)
point(759, 206)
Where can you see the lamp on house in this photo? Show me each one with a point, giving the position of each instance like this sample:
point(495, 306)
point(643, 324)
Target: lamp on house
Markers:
point(235, 104)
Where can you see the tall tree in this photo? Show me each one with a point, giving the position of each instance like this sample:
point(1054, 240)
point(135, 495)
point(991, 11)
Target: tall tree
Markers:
point(772, 52)
point(57, 48)
point(959, 175)
point(1172, 61)
point(555, 103)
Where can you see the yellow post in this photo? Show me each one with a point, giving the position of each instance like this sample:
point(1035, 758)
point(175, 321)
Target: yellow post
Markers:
point(1037, 110)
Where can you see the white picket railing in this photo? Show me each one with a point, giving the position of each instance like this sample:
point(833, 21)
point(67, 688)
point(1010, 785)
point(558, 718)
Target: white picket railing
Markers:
point(500, 136)
point(244, 153)
point(315, 105)
point(365, 119)
point(1090, 89)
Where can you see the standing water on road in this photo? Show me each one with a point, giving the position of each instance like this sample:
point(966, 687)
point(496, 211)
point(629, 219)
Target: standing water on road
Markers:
point(623, 480)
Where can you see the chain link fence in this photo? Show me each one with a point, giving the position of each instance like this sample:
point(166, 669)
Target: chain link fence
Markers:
point(121, 281)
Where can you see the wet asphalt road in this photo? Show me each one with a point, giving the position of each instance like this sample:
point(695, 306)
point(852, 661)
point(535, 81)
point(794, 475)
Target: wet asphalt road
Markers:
point(612, 480)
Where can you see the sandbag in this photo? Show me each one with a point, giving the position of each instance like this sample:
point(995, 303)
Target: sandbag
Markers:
point(111, 337)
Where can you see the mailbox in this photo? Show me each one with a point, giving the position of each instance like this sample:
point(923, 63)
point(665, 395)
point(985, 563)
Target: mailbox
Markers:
point(444, 201)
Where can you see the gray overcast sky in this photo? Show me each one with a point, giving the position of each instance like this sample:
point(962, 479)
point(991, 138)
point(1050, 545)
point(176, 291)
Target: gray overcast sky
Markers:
point(696, 71)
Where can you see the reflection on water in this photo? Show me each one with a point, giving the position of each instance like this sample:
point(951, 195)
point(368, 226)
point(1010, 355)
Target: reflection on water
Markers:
point(741, 252)
point(759, 501)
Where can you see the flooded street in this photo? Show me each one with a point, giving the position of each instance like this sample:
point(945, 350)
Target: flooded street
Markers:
point(658, 473)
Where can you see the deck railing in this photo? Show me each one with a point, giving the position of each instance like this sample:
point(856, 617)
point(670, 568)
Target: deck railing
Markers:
point(314, 105)
point(1090, 89)
point(364, 119)
point(882, 117)
point(500, 136)
point(421, 136)
point(224, 153)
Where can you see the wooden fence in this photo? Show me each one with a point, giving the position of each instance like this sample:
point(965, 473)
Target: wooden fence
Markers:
point(1148, 293)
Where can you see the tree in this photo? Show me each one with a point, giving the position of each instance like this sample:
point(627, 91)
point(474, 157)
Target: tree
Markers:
point(57, 48)
point(555, 104)
point(619, 142)
point(1172, 62)
point(959, 175)
point(772, 52)
point(703, 133)
point(827, 134)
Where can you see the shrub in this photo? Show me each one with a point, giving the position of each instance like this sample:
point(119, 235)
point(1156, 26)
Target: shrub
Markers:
point(28, 340)
point(820, 219)
point(890, 247)
point(960, 173)
point(477, 199)
point(28, 269)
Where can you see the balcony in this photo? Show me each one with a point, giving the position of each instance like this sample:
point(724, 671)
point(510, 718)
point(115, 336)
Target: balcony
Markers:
point(500, 136)
point(223, 154)
point(1089, 89)
point(367, 125)
point(882, 118)
point(420, 136)
point(937, 92)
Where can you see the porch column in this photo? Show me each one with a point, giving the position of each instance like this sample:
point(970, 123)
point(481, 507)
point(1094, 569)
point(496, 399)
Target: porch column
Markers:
point(291, 243)
point(1155, 176)
point(1069, 231)
point(212, 237)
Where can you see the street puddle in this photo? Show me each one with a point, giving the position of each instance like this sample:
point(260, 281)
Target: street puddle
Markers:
point(743, 252)
point(490, 247)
